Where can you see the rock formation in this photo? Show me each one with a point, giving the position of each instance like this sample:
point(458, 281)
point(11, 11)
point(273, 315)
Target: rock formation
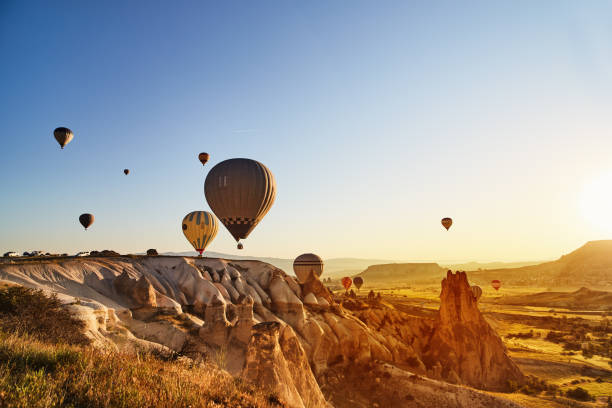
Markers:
point(276, 360)
point(463, 348)
point(263, 325)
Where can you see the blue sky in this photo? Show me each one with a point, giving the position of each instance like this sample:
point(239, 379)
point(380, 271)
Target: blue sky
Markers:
point(376, 119)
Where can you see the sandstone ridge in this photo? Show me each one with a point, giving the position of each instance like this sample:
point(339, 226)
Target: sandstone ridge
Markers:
point(259, 323)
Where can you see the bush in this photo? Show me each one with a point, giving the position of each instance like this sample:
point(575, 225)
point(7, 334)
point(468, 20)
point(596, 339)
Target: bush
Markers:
point(32, 312)
point(412, 362)
point(579, 394)
point(512, 386)
point(152, 252)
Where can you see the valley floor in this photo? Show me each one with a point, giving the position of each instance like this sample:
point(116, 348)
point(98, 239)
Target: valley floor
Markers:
point(536, 356)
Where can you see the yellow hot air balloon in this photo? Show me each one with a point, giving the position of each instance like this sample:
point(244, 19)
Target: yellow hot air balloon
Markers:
point(447, 222)
point(240, 192)
point(307, 266)
point(200, 228)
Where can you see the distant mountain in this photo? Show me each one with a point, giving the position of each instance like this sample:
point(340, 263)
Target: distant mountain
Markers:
point(583, 299)
point(477, 266)
point(402, 273)
point(589, 266)
point(334, 267)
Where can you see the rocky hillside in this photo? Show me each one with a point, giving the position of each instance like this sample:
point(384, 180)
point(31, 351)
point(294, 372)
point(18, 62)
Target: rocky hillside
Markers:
point(589, 266)
point(582, 299)
point(258, 323)
point(402, 273)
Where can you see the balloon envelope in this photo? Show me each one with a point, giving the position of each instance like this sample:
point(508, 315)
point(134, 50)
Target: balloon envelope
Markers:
point(346, 282)
point(307, 266)
point(476, 291)
point(240, 246)
point(200, 228)
point(358, 281)
point(240, 192)
point(86, 220)
point(447, 222)
point(63, 136)
point(126, 171)
point(203, 157)
point(496, 284)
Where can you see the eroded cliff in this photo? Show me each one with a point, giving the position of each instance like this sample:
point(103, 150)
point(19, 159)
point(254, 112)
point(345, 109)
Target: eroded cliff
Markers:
point(257, 322)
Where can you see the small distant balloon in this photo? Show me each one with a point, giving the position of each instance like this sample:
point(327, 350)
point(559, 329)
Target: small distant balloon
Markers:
point(447, 222)
point(496, 284)
point(63, 136)
point(347, 282)
point(240, 246)
point(358, 281)
point(86, 220)
point(203, 157)
point(126, 171)
point(476, 291)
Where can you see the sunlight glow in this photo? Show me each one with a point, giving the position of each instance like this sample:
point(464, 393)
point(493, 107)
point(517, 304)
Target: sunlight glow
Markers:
point(596, 202)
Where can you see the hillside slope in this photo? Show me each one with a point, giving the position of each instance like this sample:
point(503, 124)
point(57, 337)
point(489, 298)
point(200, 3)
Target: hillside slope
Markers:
point(582, 299)
point(588, 266)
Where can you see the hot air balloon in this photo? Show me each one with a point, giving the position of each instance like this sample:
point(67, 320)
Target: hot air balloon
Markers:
point(476, 291)
point(447, 222)
point(126, 171)
point(240, 192)
point(203, 157)
point(63, 136)
point(346, 282)
point(307, 267)
point(496, 284)
point(200, 228)
point(240, 246)
point(358, 281)
point(86, 220)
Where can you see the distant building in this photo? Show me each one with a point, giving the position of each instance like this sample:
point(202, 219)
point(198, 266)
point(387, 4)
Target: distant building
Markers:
point(10, 254)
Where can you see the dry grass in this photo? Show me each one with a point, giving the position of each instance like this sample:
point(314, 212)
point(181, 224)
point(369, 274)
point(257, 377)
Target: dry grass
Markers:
point(32, 312)
point(45, 361)
point(36, 374)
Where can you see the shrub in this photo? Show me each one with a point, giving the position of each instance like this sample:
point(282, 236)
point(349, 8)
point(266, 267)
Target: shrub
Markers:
point(32, 312)
point(512, 386)
point(579, 394)
point(412, 361)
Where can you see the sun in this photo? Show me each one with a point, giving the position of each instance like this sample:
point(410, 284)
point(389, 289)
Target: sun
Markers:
point(596, 202)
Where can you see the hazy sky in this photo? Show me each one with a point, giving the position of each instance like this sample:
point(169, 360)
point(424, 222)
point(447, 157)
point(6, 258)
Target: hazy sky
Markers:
point(378, 118)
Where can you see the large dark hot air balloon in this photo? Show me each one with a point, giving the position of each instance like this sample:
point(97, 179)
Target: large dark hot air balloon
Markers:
point(496, 284)
point(307, 267)
point(126, 171)
point(476, 291)
point(200, 228)
point(447, 222)
point(240, 192)
point(358, 281)
point(347, 282)
point(63, 136)
point(86, 220)
point(203, 157)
